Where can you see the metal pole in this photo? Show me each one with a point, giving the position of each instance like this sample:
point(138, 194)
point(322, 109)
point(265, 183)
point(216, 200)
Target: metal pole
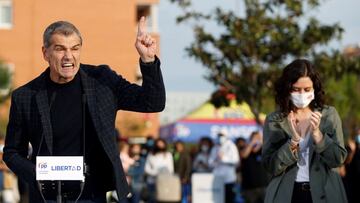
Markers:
point(58, 197)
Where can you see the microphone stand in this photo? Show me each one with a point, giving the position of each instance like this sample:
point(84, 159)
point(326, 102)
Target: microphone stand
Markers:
point(59, 197)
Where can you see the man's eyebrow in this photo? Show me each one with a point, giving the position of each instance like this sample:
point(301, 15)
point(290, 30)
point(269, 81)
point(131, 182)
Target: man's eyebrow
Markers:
point(59, 45)
point(77, 45)
point(62, 46)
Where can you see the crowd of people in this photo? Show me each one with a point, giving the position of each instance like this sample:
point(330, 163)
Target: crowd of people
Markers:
point(238, 162)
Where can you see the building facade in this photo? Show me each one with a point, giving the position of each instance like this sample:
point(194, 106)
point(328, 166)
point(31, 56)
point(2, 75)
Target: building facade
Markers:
point(108, 28)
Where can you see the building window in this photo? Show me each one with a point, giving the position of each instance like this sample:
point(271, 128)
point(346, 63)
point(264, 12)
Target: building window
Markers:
point(5, 14)
point(150, 12)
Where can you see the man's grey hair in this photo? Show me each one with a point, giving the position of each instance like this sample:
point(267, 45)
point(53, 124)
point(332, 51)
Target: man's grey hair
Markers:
point(60, 27)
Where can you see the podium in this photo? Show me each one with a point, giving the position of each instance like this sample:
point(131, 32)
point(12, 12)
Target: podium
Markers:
point(60, 168)
point(207, 188)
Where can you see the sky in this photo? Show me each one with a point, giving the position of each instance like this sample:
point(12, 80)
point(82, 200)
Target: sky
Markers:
point(182, 73)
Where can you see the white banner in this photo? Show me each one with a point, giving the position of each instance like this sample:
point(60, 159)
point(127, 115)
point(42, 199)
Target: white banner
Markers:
point(60, 168)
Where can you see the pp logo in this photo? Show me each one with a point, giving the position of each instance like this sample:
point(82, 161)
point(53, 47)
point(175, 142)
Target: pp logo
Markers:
point(42, 165)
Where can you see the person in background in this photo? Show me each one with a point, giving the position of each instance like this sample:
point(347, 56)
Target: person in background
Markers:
point(9, 186)
point(240, 143)
point(201, 160)
point(303, 141)
point(254, 177)
point(125, 158)
point(182, 164)
point(149, 146)
point(158, 162)
point(136, 172)
point(351, 169)
point(224, 159)
point(126, 162)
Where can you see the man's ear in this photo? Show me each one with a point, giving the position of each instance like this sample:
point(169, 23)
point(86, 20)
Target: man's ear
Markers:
point(45, 56)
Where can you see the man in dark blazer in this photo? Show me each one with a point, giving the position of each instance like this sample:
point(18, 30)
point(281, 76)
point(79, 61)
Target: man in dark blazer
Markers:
point(70, 110)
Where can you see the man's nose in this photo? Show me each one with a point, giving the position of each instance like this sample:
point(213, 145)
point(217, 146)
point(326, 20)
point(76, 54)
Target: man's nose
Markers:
point(67, 54)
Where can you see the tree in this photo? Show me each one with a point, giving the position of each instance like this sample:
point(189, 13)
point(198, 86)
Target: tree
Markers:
point(247, 56)
point(346, 96)
point(5, 86)
point(5, 82)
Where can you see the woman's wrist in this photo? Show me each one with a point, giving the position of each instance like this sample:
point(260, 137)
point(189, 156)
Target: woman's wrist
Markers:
point(294, 146)
point(317, 136)
point(294, 141)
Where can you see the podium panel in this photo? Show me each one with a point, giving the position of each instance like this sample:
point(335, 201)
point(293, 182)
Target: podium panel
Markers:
point(207, 188)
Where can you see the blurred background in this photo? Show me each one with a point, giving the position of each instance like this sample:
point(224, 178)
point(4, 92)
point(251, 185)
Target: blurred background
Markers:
point(219, 57)
point(195, 41)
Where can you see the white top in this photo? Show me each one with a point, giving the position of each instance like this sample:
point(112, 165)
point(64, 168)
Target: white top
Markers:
point(303, 163)
point(224, 159)
point(158, 163)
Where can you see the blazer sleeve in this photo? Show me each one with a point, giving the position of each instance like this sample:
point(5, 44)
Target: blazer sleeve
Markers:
point(276, 152)
point(17, 145)
point(149, 97)
point(331, 149)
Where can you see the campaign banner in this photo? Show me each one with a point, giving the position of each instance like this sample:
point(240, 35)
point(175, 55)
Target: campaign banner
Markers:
point(60, 168)
point(193, 130)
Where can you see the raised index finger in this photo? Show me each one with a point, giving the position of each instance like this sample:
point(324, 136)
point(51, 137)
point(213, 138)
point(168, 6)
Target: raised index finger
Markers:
point(141, 26)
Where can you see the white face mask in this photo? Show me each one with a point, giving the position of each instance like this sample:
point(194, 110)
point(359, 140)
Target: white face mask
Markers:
point(222, 140)
point(204, 148)
point(302, 100)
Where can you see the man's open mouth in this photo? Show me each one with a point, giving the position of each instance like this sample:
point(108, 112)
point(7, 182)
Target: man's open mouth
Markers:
point(67, 65)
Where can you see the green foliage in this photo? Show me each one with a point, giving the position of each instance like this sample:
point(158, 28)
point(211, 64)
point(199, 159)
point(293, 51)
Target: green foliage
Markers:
point(5, 86)
point(5, 82)
point(343, 92)
point(341, 80)
point(248, 54)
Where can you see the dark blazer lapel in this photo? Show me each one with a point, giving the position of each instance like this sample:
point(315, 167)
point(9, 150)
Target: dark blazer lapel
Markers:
point(44, 110)
point(89, 90)
point(285, 125)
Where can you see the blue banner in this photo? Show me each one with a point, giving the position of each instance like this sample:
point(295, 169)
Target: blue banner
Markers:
point(193, 131)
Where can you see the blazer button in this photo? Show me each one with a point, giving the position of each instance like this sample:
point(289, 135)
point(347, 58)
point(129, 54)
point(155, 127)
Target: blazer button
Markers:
point(322, 197)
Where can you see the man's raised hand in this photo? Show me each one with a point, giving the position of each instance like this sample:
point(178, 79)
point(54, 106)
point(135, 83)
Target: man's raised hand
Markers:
point(145, 44)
